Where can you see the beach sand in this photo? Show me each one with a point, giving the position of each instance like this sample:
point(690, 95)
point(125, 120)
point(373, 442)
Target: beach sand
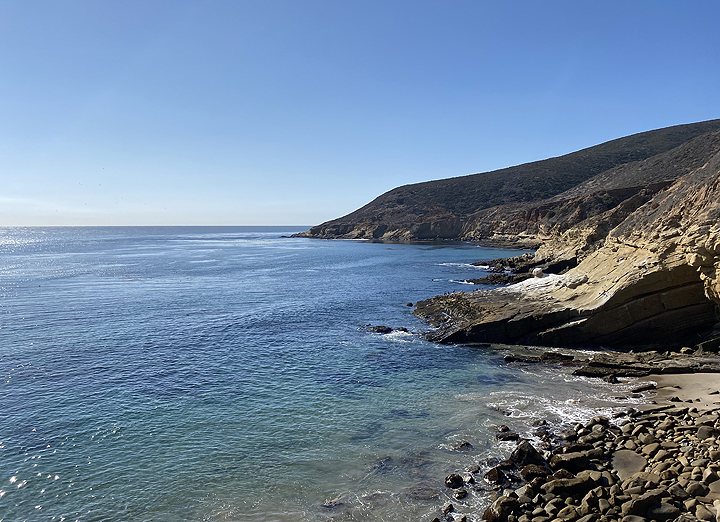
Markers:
point(701, 390)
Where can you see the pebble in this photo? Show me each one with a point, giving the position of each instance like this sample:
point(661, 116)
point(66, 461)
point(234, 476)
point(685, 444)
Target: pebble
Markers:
point(674, 477)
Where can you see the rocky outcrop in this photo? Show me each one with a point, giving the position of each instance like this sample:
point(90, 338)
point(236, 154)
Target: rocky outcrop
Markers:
point(530, 203)
point(654, 278)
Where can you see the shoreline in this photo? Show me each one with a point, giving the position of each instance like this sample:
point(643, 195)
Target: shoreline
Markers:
point(657, 461)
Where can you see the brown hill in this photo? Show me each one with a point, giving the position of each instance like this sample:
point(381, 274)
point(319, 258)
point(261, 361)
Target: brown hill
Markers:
point(527, 202)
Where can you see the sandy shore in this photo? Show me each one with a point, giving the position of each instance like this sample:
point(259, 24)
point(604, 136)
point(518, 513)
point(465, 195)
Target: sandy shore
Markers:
point(702, 390)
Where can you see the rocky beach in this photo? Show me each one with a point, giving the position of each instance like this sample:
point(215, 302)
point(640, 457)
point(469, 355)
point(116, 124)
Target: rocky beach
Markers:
point(658, 461)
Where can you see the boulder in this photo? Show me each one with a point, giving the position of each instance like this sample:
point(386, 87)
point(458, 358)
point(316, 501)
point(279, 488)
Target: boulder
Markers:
point(454, 481)
point(525, 454)
point(499, 510)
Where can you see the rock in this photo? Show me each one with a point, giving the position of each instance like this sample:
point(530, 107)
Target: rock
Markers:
point(381, 329)
point(706, 432)
point(572, 462)
point(633, 518)
point(460, 493)
point(507, 436)
point(525, 454)
point(499, 510)
point(662, 512)
point(677, 492)
point(639, 505)
point(454, 481)
point(532, 471)
point(495, 475)
point(567, 487)
point(703, 513)
point(697, 489)
point(567, 513)
point(462, 446)
point(627, 462)
point(552, 357)
point(448, 508)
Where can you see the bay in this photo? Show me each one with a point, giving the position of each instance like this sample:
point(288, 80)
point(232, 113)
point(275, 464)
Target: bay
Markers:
point(227, 373)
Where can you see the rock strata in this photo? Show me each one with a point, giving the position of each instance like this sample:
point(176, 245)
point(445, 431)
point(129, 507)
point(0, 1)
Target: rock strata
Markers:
point(671, 475)
point(655, 280)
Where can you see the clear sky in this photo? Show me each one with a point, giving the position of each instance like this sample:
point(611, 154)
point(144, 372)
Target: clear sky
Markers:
point(244, 112)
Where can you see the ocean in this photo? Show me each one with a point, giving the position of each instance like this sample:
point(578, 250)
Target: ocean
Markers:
point(228, 373)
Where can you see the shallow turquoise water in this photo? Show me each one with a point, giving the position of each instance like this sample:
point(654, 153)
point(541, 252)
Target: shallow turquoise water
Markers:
point(227, 374)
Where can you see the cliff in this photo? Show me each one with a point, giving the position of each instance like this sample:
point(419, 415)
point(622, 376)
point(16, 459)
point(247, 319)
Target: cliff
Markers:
point(648, 272)
point(527, 204)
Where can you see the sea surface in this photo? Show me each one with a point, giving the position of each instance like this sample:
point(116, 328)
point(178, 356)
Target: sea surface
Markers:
point(227, 373)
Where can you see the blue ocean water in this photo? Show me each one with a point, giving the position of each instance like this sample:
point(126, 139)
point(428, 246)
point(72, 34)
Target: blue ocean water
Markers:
point(226, 373)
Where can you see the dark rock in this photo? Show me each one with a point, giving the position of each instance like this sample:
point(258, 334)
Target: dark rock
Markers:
point(499, 510)
point(462, 446)
point(677, 492)
point(706, 432)
point(697, 489)
point(507, 436)
point(495, 475)
point(381, 329)
point(572, 462)
point(525, 454)
point(568, 487)
point(551, 357)
point(460, 493)
point(562, 474)
point(568, 435)
point(532, 471)
point(454, 481)
point(612, 379)
point(448, 508)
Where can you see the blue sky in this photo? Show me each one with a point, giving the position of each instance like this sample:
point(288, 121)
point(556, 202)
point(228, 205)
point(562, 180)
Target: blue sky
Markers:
point(245, 112)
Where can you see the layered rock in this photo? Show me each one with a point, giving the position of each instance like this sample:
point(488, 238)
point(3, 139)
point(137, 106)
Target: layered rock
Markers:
point(653, 278)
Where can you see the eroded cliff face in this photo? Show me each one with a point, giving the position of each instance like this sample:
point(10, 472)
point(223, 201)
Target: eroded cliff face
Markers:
point(652, 278)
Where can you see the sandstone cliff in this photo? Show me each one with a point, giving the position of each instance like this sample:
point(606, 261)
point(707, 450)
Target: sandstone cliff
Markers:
point(649, 273)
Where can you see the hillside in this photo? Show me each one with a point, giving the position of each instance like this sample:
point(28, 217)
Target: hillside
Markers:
point(507, 205)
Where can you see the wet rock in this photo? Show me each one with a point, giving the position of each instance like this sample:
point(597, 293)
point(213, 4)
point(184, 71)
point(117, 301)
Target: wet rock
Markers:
point(507, 436)
point(462, 446)
point(454, 481)
point(525, 454)
point(460, 493)
point(381, 329)
point(552, 357)
point(495, 475)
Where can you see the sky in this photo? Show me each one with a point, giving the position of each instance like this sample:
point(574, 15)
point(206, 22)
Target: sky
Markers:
point(273, 112)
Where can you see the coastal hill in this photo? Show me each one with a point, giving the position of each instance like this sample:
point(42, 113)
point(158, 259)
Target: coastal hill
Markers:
point(522, 204)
